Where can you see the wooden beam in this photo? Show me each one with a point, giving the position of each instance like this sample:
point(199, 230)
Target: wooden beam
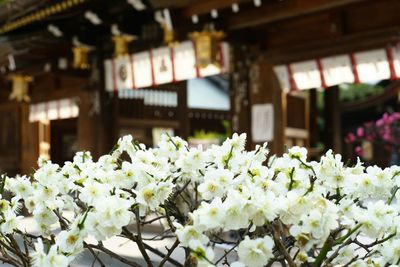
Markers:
point(330, 47)
point(276, 11)
point(205, 6)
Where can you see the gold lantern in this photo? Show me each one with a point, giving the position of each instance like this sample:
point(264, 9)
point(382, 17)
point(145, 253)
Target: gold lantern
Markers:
point(169, 34)
point(20, 87)
point(81, 57)
point(121, 44)
point(206, 44)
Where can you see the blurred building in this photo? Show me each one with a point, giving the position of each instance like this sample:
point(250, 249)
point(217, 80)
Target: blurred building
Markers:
point(77, 74)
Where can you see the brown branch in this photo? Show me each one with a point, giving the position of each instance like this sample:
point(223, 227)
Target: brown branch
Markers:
point(281, 247)
point(153, 220)
point(112, 254)
point(173, 247)
point(133, 238)
point(96, 257)
point(139, 240)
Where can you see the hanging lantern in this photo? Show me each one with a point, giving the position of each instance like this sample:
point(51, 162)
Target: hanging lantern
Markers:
point(206, 45)
point(121, 44)
point(20, 87)
point(81, 57)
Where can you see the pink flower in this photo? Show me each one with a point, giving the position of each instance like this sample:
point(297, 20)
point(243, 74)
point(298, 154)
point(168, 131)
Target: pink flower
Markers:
point(350, 138)
point(360, 132)
point(359, 151)
point(379, 123)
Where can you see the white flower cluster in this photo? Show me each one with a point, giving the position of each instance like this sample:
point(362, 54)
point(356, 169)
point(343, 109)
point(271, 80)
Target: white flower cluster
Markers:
point(286, 209)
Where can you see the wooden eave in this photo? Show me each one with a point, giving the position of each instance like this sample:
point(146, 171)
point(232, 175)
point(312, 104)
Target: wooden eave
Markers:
point(390, 93)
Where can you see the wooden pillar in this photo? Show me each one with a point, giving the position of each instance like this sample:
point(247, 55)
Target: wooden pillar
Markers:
point(29, 146)
point(184, 122)
point(270, 92)
point(239, 90)
point(313, 116)
point(115, 117)
point(86, 132)
point(253, 82)
point(332, 119)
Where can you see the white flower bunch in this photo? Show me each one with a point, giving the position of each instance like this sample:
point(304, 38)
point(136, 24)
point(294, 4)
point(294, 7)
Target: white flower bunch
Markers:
point(264, 208)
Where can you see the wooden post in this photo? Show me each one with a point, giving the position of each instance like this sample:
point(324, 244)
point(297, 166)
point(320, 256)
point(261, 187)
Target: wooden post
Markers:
point(313, 115)
point(85, 124)
point(239, 89)
point(184, 127)
point(28, 151)
point(267, 90)
point(253, 81)
point(332, 119)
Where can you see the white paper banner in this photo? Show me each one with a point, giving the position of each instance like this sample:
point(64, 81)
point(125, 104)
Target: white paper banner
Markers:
point(162, 64)
point(337, 70)
point(372, 66)
point(53, 110)
point(185, 61)
point(306, 74)
point(123, 72)
point(142, 69)
point(108, 72)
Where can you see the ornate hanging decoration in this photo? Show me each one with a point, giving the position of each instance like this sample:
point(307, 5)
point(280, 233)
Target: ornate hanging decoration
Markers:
point(121, 43)
point(20, 87)
point(81, 57)
point(207, 46)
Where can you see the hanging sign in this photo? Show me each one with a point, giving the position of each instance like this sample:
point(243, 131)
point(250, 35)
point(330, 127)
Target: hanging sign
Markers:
point(337, 70)
point(53, 110)
point(142, 69)
point(159, 66)
point(185, 61)
point(162, 64)
point(306, 74)
point(372, 66)
point(123, 72)
point(108, 73)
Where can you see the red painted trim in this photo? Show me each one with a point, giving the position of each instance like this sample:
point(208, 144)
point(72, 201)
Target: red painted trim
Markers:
point(292, 82)
point(172, 54)
point(132, 72)
point(321, 73)
point(390, 58)
point(153, 78)
point(354, 68)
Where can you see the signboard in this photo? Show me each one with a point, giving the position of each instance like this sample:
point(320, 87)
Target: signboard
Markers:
point(262, 122)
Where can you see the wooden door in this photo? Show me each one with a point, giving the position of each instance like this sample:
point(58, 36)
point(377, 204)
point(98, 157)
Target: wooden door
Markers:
point(13, 137)
point(297, 129)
